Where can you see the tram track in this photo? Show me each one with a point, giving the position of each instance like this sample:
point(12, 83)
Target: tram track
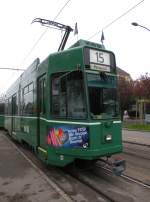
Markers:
point(138, 150)
point(141, 156)
point(73, 183)
point(83, 177)
point(136, 143)
point(70, 184)
point(72, 188)
point(137, 158)
point(132, 179)
point(129, 184)
point(126, 177)
point(114, 188)
point(85, 185)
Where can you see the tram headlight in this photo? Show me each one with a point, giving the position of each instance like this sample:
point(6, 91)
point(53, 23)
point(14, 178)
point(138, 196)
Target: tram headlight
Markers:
point(108, 137)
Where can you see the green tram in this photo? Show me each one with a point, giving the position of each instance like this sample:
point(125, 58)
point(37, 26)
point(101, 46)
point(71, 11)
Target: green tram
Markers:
point(66, 107)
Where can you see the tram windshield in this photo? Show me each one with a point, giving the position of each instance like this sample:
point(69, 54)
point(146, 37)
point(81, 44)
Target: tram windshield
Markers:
point(103, 100)
point(68, 95)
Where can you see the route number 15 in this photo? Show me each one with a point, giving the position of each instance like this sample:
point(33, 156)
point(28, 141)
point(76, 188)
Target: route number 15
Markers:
point(99, 57)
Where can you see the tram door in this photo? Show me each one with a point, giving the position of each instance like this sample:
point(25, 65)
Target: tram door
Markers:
point(41, 108)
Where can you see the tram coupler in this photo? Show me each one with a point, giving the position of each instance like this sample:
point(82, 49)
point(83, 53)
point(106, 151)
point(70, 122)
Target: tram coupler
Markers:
point(118, 167)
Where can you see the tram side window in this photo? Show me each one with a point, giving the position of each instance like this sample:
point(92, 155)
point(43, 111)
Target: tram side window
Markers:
point(1, 108)
point(42, 85)
point(56, 96)
point(9, 106)
point(27, 99)
point(14, 105)
point(68, 95)
point(6, 107)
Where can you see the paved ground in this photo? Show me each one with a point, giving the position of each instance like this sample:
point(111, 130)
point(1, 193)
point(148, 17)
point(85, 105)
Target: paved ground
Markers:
point(136, 136)
point(20, 181)
point(137, 162)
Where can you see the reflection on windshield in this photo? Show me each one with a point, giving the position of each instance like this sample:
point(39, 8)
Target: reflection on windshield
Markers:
point(103, 102)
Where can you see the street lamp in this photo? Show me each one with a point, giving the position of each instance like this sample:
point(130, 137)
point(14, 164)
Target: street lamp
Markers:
point(136, 24)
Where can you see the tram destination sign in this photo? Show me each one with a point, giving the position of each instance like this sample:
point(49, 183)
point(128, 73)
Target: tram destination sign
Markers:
point(99, 60)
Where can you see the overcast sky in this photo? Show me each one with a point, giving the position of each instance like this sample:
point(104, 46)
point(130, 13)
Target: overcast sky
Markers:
point(130, 44)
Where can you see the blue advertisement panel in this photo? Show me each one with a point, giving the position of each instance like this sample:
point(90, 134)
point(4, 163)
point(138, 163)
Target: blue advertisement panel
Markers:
point(68, 136)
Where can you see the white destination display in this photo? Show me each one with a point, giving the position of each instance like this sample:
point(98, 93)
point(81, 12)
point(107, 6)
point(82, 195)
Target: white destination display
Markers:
point(98, 59)
point(100, 67)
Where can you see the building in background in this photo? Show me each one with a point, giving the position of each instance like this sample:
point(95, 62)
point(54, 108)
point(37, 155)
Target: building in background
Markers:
point(124, 74)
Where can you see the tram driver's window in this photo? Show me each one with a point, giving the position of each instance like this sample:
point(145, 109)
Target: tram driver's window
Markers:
point(76, 95)
point(68, 97)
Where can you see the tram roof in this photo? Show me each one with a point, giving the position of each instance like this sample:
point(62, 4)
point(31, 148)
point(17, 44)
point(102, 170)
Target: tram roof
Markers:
point(82, 42)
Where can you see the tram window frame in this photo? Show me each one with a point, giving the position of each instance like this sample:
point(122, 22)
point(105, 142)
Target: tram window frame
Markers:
point(30, 87)
point(14, 105)
point(2, 108)
point(64, 85)
point(9, 106)
point(25, 90)
point(28, 91)
point(6, 107)
point(42, 94)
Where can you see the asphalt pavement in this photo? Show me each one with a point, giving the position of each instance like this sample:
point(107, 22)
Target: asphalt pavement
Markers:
point(136, 136)
point(21, 181)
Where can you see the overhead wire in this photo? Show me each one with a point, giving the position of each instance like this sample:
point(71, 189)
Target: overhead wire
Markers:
point(10, 79)
point(16, 69)
point(44, 32)
point(12, 74)
point(116, 19)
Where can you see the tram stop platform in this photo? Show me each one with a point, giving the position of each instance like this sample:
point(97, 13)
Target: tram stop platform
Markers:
point(20, 181)
point(136, 137)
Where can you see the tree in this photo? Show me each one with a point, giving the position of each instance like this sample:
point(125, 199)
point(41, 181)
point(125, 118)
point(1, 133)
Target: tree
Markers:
point(142, 87)
point(131, 91)
point(125, 94)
